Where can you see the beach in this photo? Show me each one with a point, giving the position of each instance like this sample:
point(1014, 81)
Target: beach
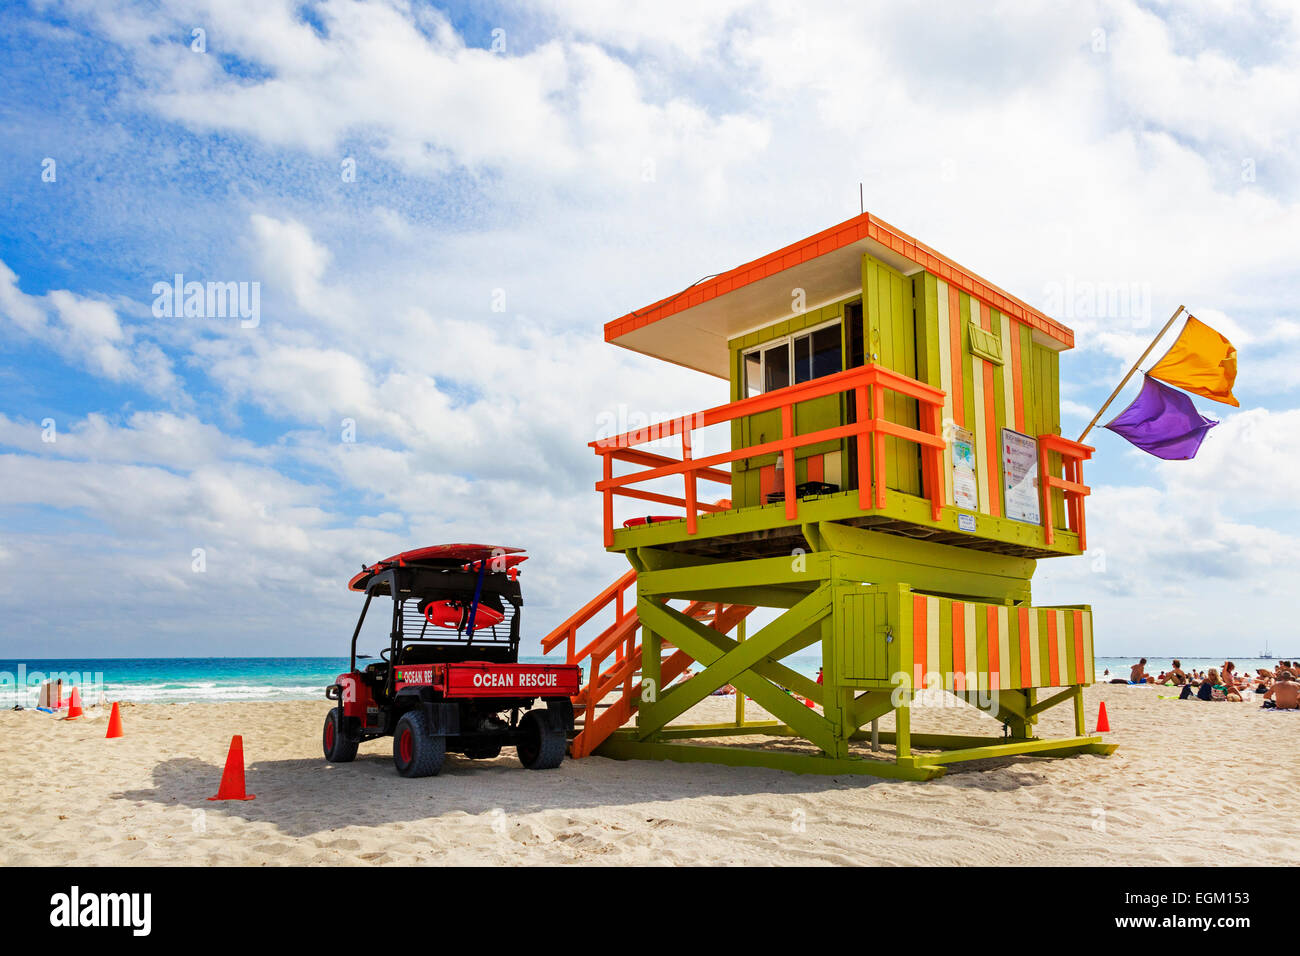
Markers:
point(1192, 783)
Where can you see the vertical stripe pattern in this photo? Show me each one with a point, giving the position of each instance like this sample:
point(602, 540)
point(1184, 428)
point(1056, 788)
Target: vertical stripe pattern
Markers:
point(965, 647)
point(945, 382)
point(992, 453)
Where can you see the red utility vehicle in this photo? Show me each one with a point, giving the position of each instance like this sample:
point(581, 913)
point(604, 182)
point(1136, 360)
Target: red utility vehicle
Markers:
point(450, 679)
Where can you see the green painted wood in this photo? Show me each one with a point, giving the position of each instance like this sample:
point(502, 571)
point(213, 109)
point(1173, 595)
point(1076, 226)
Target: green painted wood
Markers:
point(1060, 746)
point(765, 728)
point(687, 634)
point(1044, 650)
point(1048, 703)
point(891, 337)
point(1072, 662)
point(868, 707)
point(967, 374)
point(806, 570)
point(839, 507)
point(810, 416)
point(982, 637)
point(1014, 677)
point(925, 300)
point(776, 640)
point(864, 652)
point(945, 637)
point(1028, 395)
point(928, 566)
point(619, 747)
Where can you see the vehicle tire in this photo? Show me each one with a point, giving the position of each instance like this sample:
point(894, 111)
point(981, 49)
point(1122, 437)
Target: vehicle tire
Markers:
point(416, 752)
point(484, 750)
point(334, 740)
point(542, 746)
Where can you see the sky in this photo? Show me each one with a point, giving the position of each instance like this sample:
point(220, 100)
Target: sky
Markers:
point(441, 206)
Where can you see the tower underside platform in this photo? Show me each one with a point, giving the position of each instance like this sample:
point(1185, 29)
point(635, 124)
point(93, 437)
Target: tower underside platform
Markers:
point(764, 530)
point(895, 621)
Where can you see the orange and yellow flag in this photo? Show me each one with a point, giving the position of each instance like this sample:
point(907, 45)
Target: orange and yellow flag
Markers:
point(1200, 361)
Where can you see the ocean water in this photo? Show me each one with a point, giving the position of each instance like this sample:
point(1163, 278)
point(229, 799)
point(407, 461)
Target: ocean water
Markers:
point(151, 680)
point(187, 680)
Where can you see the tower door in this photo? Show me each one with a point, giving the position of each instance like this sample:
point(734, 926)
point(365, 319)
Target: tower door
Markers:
point(890, 325)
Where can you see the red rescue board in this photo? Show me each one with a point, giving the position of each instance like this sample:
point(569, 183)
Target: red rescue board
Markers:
point(438, 552)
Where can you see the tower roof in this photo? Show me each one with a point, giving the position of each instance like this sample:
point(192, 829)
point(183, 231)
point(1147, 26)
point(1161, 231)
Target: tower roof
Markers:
point(692, 327)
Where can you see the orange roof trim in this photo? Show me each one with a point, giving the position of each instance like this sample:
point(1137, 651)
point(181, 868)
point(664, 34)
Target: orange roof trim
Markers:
point(865, 226)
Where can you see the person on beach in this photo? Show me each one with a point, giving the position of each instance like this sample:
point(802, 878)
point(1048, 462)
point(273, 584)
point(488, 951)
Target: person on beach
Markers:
point(1285, 693)
point(1205, 689)
point(1139, 673)
point(1177, 675)
point(1233, 686)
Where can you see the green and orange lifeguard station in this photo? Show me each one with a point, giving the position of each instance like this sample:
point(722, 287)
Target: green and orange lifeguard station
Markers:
point(895, 472)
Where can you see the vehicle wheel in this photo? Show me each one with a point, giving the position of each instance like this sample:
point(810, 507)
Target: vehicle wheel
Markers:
point(416, 752)
point(334, 740)
point(484, 750)
point(542, 747)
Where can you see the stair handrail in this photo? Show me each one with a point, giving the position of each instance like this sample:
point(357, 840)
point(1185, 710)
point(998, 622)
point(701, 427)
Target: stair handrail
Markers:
point(569, 629)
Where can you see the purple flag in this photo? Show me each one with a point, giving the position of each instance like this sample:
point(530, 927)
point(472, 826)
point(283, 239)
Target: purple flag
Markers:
point(1162, 421)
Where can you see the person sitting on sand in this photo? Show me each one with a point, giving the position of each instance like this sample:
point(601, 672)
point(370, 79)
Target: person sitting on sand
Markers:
point(1233, 687)
point(1139, 673)
point(1285, 694)
point(1177, 675)
point(1205, 688)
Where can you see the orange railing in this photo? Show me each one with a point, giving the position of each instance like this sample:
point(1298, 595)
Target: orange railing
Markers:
point(1073, 455)
point(867, 384)
point(620, 641)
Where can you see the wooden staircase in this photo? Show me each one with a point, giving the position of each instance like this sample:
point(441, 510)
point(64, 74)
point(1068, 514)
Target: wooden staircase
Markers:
point(620, 644)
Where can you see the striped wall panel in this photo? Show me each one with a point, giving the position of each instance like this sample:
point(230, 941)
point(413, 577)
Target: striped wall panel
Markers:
point(968, 646)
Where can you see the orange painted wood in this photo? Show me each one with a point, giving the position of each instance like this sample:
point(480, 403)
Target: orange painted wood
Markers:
point(1017, 382)
point(918, 639)
point(1053, 655)
point(993, 632)
point(955, 340)
point(864, 226)
point(992, 447)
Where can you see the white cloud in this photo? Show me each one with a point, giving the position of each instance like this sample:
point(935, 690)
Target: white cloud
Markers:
point(597, 167)
point(88, 333)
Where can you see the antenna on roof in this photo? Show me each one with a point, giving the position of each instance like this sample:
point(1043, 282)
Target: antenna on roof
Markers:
point(861, 207)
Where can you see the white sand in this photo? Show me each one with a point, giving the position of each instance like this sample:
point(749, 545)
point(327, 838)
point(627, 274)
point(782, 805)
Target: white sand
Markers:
point(1193, 782)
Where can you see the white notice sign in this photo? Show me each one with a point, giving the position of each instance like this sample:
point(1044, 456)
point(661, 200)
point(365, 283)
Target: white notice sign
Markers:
point(965, 493)
point(1020, 477)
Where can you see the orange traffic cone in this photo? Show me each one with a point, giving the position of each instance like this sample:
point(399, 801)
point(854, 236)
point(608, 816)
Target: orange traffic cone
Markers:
point(114, 723)
point(232, 780)
point(1103, 725)
point(74, 706)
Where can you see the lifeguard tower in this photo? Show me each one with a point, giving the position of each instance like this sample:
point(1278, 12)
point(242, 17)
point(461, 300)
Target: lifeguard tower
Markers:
point(895, 470)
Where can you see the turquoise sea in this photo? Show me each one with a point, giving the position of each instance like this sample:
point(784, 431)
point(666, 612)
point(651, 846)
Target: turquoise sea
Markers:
point(185, 680)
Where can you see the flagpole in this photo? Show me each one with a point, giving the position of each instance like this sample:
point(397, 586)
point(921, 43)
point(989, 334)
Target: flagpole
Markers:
point(1141, 358)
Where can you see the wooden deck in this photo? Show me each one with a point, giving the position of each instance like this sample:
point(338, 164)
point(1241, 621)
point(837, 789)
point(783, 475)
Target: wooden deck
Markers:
point(764, 531)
